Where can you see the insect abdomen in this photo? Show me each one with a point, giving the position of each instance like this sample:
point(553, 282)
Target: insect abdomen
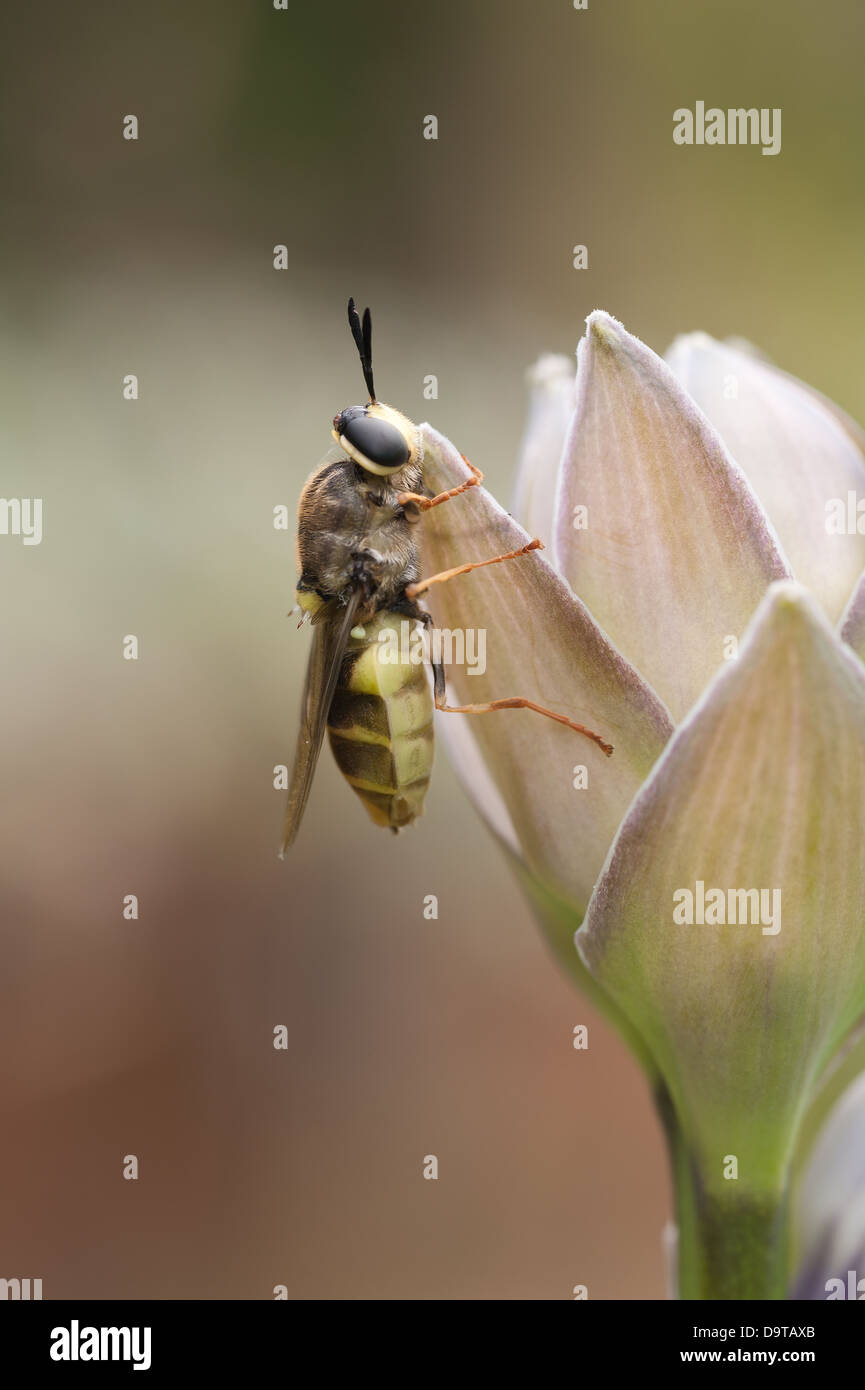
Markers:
point(381, 724)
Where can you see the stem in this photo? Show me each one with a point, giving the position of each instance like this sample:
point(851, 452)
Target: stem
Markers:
point(732, 1242)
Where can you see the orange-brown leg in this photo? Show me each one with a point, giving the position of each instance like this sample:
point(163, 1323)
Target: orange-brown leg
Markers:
point(412, 590)
point(514, 701)
point(424, 503)
point(519, 702)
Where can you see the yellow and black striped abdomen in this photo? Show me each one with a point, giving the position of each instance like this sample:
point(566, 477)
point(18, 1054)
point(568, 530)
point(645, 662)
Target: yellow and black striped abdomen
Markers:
point(381, 721)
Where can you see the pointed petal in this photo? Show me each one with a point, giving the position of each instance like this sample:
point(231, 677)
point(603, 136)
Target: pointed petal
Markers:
point(552, 386)
point(799, 451)
point(677, 552)
point(542, 644)
point(763, 787)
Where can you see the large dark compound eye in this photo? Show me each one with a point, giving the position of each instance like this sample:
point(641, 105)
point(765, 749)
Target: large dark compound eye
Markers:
point(377, 440)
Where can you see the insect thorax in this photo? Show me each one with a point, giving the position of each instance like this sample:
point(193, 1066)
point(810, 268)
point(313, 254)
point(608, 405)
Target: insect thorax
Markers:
point(350, 524)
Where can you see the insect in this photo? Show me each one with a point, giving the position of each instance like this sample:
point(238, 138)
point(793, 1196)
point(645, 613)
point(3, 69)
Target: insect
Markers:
point(359, 577)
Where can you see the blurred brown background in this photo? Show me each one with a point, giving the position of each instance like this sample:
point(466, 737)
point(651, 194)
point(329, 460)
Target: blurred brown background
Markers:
point(406, 1037)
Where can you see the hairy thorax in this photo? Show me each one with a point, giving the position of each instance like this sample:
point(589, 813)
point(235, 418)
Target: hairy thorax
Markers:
point(352, 530)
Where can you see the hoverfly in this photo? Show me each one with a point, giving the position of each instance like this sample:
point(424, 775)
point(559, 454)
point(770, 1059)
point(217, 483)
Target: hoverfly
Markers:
point(359, 575)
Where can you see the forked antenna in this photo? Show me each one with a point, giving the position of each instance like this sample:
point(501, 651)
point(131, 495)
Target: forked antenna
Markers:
point(362, 334)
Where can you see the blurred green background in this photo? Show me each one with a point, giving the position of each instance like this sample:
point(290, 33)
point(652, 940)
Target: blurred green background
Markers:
point(406, 1037)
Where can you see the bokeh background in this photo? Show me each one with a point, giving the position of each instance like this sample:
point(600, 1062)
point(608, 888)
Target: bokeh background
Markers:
point(406, 1037)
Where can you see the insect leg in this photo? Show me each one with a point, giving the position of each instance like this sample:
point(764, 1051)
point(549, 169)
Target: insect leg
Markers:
point(412, 590)
point(514, 702)
point(424, 503)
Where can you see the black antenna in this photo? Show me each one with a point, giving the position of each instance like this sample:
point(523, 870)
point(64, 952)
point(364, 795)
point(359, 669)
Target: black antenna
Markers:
point(363, 340)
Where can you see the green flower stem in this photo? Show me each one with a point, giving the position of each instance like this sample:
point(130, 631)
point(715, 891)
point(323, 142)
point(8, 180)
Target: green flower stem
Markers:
point(733, 1243)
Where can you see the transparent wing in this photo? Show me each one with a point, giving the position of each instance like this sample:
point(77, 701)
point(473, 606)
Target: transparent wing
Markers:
point(329, 640)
